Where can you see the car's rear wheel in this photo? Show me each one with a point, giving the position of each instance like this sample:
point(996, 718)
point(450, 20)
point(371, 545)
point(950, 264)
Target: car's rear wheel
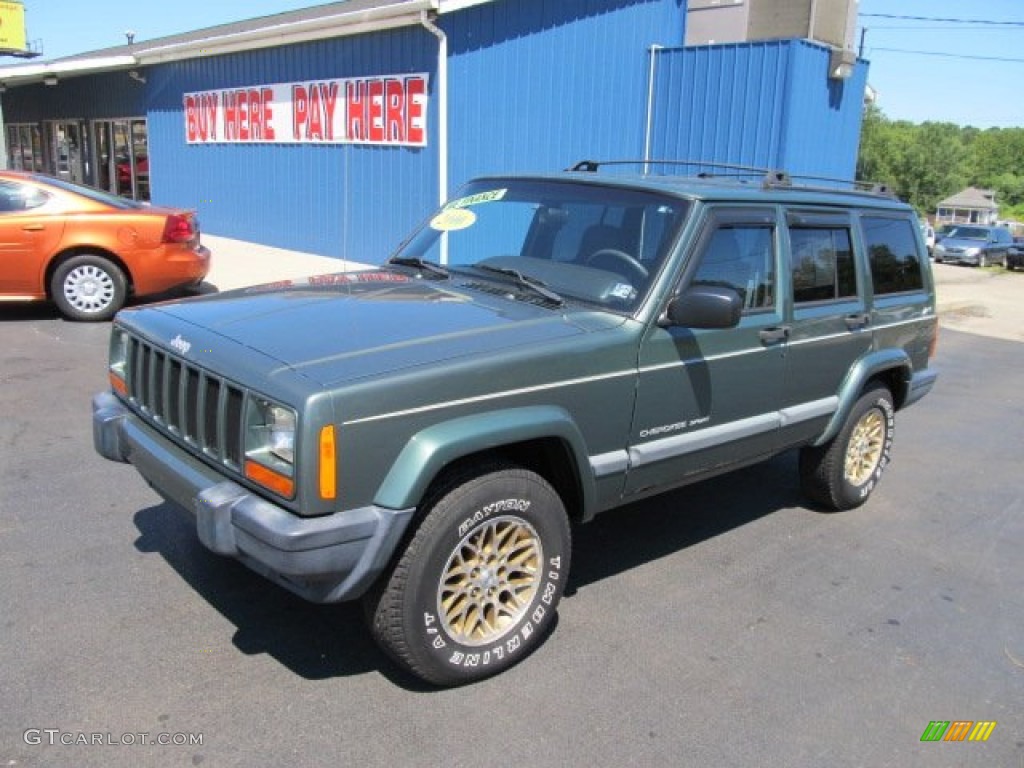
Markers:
point(88, 287)
point(477, 587)
point(843, 472)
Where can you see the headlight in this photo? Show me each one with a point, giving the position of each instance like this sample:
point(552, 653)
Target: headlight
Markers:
point(270, 445)
point(118, 361)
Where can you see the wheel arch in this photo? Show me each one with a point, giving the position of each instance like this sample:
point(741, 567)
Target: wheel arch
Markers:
point(543, 439)
point(85, 250)
point(891, 368)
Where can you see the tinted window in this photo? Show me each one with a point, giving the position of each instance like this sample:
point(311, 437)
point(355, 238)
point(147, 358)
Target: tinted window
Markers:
point(93, 194)
point(740, 257)
point(892, 250)
point(822, 264)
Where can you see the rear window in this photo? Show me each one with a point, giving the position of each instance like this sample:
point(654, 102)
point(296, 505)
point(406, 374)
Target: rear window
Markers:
point(92, 193)
point(893, 253)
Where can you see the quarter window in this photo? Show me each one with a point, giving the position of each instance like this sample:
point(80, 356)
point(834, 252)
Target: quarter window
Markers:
point(822, 264)
point(893, 253)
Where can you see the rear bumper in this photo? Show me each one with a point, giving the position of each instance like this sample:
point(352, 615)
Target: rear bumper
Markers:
point(921, 384)
point(173, 267)
point(323, 559)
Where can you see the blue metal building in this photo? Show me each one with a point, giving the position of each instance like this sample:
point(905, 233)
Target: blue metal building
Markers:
point(333, 130)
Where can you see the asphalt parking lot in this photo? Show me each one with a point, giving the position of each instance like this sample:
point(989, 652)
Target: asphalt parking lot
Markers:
point(726, 624)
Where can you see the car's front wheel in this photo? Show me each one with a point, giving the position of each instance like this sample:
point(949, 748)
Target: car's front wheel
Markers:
point(843, 472)
point(476, 589)
point(88, 287)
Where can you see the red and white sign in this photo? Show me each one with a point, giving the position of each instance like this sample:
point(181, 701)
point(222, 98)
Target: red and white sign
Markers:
point(387, 110)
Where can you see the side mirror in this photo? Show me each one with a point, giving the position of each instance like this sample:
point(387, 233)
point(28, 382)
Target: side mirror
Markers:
point(704, 306)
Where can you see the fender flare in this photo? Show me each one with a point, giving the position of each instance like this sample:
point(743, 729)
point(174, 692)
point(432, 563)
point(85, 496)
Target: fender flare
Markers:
point(427, 452)
point(862, 372)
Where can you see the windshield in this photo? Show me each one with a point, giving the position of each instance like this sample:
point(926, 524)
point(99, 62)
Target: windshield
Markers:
point(592, 243)
point(969, 233)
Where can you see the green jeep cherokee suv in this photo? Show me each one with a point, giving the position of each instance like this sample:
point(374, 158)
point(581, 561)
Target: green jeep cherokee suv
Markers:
point(542, 349)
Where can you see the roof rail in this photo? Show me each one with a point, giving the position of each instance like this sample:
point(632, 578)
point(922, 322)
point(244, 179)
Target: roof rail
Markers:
point(770, 177)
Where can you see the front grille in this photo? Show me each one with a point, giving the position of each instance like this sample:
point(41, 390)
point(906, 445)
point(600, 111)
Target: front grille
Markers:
point(202, 409)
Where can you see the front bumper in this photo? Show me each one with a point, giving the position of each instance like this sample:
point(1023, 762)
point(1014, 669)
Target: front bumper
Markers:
point(957, 258)
point(323, 559)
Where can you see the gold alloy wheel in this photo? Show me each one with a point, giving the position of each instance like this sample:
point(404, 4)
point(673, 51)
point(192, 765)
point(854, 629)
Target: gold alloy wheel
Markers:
point(865, 449)
point(490, 580)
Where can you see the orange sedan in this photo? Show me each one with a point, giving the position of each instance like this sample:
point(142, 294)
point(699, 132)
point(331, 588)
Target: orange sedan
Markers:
point(88, 250)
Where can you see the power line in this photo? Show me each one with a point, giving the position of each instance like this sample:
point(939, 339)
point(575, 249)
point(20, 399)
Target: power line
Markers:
point(951, 55)
point(986, 22)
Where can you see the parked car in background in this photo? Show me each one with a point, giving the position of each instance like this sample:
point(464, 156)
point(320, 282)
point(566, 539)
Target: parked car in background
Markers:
point(1014, 258)
point(87, 250)
point(975, 245)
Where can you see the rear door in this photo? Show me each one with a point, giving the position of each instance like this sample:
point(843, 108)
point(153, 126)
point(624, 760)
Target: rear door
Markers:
point(829, 323)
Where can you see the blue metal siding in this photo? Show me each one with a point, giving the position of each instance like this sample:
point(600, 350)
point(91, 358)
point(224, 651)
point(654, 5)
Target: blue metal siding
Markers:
point(823, 116)
point(345, 200)
point(541, 84)
point(767, 104)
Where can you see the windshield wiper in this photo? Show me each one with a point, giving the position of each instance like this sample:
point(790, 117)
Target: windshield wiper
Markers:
point(525, 281)
point(416, 261)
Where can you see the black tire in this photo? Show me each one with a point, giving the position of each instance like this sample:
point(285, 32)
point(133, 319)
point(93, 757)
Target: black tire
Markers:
point(88, 287)
point(842, 473)
point(476, 589)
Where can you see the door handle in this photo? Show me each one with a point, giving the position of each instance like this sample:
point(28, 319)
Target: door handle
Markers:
point(774, 334)
point(33, 228)
point(857, 321)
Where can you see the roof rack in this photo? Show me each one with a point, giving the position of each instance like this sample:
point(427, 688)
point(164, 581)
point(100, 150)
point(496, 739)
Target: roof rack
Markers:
point(770, 177)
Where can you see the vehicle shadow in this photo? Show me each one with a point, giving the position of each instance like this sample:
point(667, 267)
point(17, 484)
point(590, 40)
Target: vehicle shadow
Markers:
point(17, 312)
point(30, 311)
point(645, 531)
point(316, 642)
point(319, 642)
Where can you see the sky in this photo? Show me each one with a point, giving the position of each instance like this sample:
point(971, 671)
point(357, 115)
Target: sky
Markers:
point(964, 72)
point(969, 72)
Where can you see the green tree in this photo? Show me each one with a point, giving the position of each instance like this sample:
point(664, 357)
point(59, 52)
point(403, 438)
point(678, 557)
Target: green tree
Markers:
point(930, 161)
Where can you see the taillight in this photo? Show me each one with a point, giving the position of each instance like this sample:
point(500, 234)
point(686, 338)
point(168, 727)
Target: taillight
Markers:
point(178, 229)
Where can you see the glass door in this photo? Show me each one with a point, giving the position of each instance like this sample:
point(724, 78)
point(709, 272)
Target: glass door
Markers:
point(122, 157)
point(68, 150)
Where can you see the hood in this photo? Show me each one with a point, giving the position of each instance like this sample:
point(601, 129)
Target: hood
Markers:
point(962, 242)
point(354, 325)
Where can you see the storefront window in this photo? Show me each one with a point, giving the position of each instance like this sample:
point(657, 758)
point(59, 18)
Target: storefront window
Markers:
point(25, 147)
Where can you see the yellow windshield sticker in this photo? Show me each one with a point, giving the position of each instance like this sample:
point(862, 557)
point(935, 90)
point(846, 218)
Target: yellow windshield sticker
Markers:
point(451, 219)
point(482, 197)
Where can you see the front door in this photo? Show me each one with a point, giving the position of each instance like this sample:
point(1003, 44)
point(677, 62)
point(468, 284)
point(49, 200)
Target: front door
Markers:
point(710, 398)
point(27, 238)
